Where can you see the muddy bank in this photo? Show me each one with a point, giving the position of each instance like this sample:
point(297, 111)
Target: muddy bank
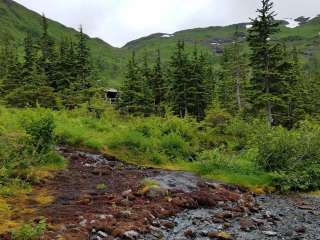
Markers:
point(100, 197)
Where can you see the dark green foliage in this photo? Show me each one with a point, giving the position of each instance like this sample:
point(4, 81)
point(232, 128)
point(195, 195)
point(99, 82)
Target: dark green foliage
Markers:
point(180, 82)
point(294, 156)
point(264, 57)
point(30, 231)
point(158, 86)
point(10, 69)
point(190, 89)
point(232, 89)
point(201, 90)
point(48, 76)
point(83, 62)
point(136, 95)
point(41, 134)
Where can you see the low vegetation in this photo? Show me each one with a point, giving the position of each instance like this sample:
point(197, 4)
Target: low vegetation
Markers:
point(228, 149)
point(27, 156)
point(246, 120)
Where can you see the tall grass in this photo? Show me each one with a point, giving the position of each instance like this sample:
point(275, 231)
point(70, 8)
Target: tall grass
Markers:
point(221, 147)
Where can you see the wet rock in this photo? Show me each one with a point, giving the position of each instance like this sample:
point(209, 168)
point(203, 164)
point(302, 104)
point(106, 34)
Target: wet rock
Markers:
point(301, 229)
point(85, 199)
point(98, 235)
point(125, 214)
point(167, 224)
point(306, 207)
point(220, 235)
point(213, 185)
point(247, 225)
point(223, 215)
point(204, 199)
point(131, 235)
point(270, 233)
point(127, 193)
point(62, 228)
point(125, 202)
point(189, 234)
point(154, 192)
point(259, 222)
point(185, 202)
point(156, 232)
point(83, 223)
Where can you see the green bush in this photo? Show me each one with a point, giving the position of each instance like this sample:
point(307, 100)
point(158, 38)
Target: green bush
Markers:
point(130, 139)
point(217, 118)
point(175, 147)
point(282, 149)
point(30, 231)
point(293, 156)
point(41, 133)
point(306, 178)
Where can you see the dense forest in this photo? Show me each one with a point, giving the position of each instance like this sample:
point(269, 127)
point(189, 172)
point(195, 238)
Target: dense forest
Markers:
point(248, 117)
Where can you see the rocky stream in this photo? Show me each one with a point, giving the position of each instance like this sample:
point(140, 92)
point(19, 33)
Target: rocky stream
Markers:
point(99, 197)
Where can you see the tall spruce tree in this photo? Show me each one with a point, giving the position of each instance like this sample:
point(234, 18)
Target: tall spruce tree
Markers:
point(29, 68)
point(48, 61)
point(225, 87)
point(180, 77)
point(157, 84)
point(11, 72)
point(264, 59)
point(84, 67)
point(234, 83)
point(146, 96)
point(198, 92)
point(135, 92)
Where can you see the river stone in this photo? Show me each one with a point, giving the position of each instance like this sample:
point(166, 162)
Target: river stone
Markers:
point(220, 235)
point(270, 233)
point(131, 234)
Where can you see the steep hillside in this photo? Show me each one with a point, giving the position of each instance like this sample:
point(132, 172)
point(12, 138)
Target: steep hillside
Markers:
point(16, 20)
point(305, 36)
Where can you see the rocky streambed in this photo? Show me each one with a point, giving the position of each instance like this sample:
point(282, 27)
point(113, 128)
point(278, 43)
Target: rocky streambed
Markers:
point(99, 197)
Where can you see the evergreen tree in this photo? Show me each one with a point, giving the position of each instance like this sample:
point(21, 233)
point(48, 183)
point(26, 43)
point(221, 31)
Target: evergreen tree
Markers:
point(264, 59)
point(179, 71)
point(146, 96)
point(48, 61)
point(135, 94)
point(198, 91)
point(289, 75)
point(84, 68)
point(11, 72)
point(158, 87)
point(234, 83)
point(30, 67)
point(225, 87)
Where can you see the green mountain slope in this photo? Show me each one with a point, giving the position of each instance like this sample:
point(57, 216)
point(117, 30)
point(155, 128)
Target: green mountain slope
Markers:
point(306, 37)
point(16, 20)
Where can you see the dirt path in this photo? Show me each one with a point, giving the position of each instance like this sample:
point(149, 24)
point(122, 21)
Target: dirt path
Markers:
point(99, 197)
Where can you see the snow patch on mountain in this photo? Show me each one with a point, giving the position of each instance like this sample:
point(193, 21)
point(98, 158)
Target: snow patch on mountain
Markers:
point(167, 35)
point(292, 23)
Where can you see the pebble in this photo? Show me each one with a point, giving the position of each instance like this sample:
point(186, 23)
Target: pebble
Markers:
point(269, 233)
point(131, 235)
point(83, 223)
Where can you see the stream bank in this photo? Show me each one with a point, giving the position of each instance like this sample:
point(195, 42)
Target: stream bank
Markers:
point(99, 197)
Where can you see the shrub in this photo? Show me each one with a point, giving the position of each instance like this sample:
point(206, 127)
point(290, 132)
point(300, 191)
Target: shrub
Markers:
point(130, 139)
point(217, 118)
point(175, 147)
point(41, 133)
point(30, 231)
point(293, 156)
point(282, 149)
